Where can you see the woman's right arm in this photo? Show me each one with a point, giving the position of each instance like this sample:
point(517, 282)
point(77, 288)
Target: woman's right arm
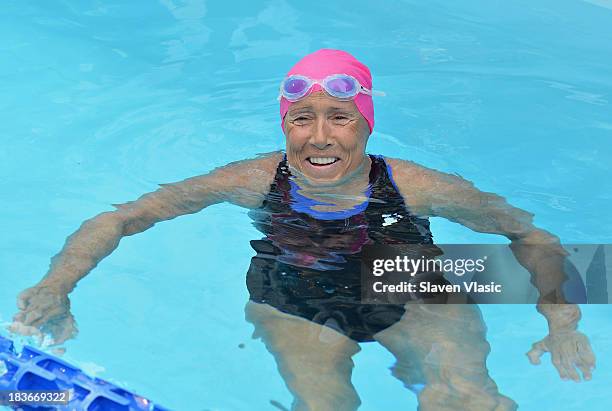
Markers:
point(99, 236)
point(244, 183)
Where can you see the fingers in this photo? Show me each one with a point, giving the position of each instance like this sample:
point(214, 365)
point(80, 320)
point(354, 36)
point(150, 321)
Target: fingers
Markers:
point(61, 330)
point(586, 359)
point(33, 317)
point(566, 357)
point(19, 317)
point(43, 313)
point(23, 299)
point(564, 363)
point(53, 313)
point(27, 319)
point(585, 370)
point(39, 316)
point(572, 355)
point(20, 328)
point(537, 350)
point(45, 307)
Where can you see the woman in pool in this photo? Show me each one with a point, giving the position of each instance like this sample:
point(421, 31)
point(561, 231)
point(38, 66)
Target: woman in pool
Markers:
point(317, 205)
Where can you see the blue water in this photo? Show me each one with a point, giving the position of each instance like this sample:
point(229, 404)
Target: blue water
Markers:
point(101, 101)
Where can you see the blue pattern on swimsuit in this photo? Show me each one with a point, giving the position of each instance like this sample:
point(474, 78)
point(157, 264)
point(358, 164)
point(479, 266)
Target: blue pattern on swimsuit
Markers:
point(303, 204)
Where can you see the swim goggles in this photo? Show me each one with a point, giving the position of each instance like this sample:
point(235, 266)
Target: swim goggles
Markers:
point(340, 86)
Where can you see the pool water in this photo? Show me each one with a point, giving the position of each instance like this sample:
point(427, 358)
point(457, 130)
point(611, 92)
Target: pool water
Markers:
point(101, 101)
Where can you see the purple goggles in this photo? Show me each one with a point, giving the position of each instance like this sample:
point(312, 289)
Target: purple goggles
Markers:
point(340, 86)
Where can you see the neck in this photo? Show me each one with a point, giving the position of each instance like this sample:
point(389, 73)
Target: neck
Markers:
point(345, 192)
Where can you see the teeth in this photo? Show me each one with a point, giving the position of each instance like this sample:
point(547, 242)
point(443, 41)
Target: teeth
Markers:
point(322, 160)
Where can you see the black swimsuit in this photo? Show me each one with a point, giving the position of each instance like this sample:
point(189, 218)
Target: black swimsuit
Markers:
point(309, 263)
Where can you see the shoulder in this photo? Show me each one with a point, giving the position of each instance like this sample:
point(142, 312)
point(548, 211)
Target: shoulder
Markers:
point(245, 182)
point(436, 193)
point(422, 186)
point(424, 177)
point(261, 167)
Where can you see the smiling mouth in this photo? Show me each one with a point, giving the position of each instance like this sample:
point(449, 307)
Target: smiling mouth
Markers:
point(322, 161)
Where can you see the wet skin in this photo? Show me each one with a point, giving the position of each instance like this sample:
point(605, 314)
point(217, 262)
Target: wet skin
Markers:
point(320, 127)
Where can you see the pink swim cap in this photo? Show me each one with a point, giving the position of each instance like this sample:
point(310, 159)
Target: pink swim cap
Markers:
point(325, 62)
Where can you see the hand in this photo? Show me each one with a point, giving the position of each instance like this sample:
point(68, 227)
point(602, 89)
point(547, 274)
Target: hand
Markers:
point(44, 310)
point(569, 350)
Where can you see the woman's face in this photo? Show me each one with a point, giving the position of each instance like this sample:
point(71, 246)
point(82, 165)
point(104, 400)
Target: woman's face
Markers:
point(326, 137)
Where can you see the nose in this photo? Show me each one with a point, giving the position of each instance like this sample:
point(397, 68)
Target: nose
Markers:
point(320, 134)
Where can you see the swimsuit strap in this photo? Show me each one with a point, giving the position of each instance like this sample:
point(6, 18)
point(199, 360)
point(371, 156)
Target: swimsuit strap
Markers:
point(385, 211)
point(389, 218)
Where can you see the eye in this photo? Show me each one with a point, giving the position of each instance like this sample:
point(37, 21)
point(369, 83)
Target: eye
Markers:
point(301, 120)
point(341, 119)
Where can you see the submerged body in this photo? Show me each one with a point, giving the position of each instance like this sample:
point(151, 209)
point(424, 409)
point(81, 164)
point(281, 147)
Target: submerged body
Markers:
point(309, 263)
point(306, 305)
point(440, 350)
point(318, 206)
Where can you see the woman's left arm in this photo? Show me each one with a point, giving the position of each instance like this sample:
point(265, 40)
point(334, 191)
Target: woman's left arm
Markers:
point(433, 193)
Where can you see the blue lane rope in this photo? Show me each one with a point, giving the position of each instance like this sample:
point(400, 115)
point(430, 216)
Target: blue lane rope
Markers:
point(33, 369)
